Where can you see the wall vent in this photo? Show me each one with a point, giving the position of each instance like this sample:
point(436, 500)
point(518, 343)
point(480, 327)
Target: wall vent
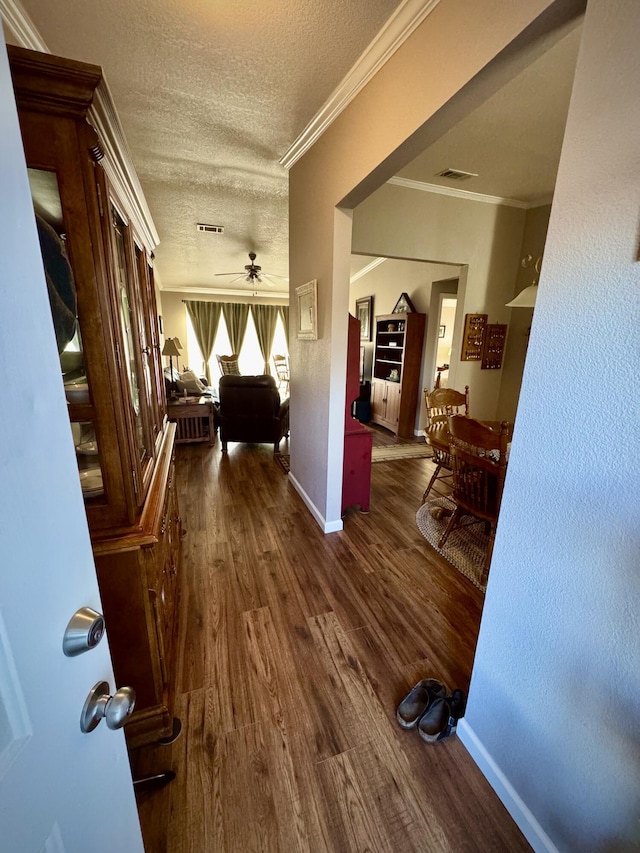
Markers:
point(456, 175)
point(211, 229)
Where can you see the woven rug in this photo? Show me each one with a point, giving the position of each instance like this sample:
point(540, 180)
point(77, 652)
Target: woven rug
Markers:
point(378, 454)
point(400, 451)
point(465, 548)
point(283, 460)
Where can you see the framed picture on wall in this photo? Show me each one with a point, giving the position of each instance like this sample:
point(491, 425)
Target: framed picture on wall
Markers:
point(442, 331)
point(364, 312)
point(307, 303)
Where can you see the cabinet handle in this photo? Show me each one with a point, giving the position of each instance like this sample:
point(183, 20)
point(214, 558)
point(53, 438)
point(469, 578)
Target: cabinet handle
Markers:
point(146, 350)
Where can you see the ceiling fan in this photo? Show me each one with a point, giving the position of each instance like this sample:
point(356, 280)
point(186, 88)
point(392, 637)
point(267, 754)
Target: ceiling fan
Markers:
point(253, 273)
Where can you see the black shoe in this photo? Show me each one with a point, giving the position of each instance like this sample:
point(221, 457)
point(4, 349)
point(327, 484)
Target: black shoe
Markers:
point(441, 718)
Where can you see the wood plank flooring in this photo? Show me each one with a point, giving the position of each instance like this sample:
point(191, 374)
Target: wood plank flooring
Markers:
point(294, 650)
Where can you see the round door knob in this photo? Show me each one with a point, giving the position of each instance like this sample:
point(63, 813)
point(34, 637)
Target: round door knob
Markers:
point(115, 709)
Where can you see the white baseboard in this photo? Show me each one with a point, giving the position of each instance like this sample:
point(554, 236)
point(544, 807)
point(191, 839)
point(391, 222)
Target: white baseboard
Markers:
point(325, 526)
point(511, 800)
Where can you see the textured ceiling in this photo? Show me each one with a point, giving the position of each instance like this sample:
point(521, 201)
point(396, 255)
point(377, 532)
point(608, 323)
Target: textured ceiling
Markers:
point(513, 141)
point(211, 93)
point(210, 96)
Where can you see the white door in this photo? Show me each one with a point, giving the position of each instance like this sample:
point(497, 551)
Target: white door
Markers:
point(60, 790)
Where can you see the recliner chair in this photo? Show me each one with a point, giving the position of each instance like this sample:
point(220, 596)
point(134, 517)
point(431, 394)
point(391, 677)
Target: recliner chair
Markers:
point(251, 411)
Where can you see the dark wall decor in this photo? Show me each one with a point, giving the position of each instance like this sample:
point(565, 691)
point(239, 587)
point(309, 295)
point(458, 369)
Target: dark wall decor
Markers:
point(473, 337)
point(493, 348)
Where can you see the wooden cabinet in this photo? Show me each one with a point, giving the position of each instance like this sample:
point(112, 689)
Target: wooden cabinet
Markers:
point(397, 362)
point(97, 244)
point(356, 467)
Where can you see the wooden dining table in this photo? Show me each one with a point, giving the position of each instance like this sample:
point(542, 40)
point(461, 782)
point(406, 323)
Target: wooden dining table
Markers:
point(439, 437)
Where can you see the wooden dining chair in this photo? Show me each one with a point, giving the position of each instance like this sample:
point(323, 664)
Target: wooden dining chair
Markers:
point(479, 463)
point(441, 403)
point(281, 366)
point(228, 364)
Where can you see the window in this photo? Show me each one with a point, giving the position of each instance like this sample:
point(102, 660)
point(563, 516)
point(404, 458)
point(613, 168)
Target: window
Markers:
point(250, 361)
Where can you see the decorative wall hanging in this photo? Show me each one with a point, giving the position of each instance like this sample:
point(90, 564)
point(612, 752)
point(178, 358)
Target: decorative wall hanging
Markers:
point(404, 305)
point(364, 313)
point(473, 337)
point(493, 349)
point(307, 303)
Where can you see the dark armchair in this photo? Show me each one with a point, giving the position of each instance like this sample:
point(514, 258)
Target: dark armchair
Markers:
point(251, 411)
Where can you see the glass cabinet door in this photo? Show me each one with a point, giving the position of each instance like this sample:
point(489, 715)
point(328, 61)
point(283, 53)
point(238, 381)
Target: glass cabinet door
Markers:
point(63, 301)
point(151, 347)
point(134, 360)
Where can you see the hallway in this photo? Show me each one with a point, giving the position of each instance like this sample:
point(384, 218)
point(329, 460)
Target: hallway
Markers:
point(294, 649)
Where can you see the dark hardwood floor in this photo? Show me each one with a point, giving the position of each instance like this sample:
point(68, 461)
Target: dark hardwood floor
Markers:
point(294, 650)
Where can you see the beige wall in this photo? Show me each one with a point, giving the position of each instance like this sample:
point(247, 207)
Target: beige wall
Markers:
point(485, 238)
point(535, 232)
point(379, 132)
point(490, 240)
point(385, 283)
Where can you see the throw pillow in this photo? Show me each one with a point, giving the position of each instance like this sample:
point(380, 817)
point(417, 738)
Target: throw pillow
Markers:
point(190, 383)
point(230, 367)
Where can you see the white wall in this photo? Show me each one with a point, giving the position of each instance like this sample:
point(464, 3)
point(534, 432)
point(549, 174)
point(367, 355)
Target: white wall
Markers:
point(554, 705)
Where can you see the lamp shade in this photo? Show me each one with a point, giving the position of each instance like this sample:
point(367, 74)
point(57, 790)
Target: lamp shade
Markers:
point(525, 299)
point(177, 343)
point(170, 347)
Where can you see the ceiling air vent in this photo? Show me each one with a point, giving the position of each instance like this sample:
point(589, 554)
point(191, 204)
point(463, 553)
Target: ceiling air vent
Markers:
point(456, 175)
point(211, 229)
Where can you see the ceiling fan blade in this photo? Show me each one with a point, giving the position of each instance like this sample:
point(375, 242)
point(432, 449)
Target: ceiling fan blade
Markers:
point(229, 273)
point(268, 280)
point(275, 275)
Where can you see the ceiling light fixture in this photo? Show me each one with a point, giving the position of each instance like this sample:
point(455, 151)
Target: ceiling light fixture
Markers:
point(527, 297)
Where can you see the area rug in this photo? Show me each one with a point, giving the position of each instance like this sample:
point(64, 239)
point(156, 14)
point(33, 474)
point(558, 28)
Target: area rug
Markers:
point(283, 460)
point(400, 451)
point(465, 548)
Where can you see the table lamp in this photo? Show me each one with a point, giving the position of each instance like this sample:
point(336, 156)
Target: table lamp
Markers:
point(171, 349)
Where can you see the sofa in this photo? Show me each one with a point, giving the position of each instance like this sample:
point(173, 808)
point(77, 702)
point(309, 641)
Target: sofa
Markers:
point(251, 411)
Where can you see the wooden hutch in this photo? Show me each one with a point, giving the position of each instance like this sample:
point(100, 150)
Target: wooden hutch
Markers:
point(97, 240)
point(397, 362)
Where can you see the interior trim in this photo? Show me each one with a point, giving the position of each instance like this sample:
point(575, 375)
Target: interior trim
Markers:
point(117, 163)
point(514, 804)
point(21, 26)
point(366, 270)
point(407, 17)
point(466, 194)
point(325, 526)
point(283, 296)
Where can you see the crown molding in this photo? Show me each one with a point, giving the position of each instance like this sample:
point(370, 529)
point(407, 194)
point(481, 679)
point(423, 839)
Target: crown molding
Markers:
point(224, 291)
point(407, 17)
point(407, 183)
point(21, 26)
point(117, 162)
point(366, 270)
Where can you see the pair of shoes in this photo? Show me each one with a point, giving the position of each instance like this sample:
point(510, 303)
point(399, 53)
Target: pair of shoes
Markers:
point(418, 700)
point(441, 718)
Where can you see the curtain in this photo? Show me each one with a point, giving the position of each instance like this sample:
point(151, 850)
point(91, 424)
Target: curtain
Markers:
point(235, 316)
point(284, 313)
point(205, 317)
point(265, 317)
